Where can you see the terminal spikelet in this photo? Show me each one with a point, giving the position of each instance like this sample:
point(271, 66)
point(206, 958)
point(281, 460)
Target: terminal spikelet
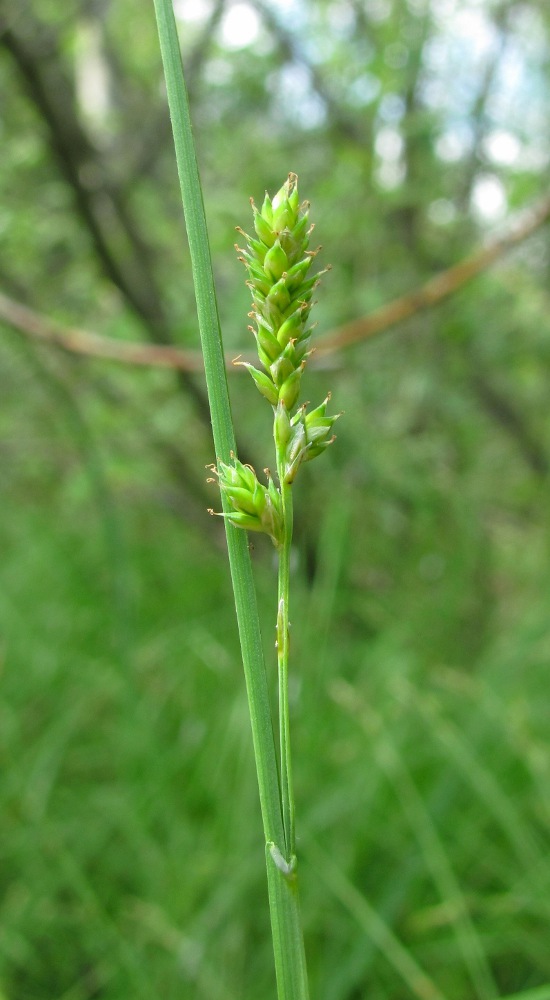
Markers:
point(278, 263)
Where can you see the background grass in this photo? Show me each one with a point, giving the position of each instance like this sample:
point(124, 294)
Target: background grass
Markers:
point(130, 852)
point(131, 860)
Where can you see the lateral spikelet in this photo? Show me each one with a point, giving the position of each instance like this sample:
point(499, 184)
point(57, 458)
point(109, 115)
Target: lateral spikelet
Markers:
point(255, 507)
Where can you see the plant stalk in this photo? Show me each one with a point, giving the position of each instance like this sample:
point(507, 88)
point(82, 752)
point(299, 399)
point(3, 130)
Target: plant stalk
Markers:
point(288, 944)
point(283, 648)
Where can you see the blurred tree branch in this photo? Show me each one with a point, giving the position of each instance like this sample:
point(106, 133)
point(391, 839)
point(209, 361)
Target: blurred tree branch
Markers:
point(340, 120)
point(120, 247)
point(480, 118)
point(124, 254)
point(501, 408)
point(78, 341)
point(155, 133)
point(438, 288)
point(434, 291)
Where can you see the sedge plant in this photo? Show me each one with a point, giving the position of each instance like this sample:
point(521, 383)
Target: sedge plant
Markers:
point(278, 262)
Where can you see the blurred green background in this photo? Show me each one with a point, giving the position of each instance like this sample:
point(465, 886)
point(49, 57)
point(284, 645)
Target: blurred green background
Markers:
point(131, 858)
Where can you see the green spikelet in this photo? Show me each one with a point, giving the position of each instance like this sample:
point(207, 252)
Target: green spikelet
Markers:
point(278, 263)
point(310, 434)
point(255, 507)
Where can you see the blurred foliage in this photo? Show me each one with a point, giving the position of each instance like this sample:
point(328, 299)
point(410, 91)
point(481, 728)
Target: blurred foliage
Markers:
point(131, 856)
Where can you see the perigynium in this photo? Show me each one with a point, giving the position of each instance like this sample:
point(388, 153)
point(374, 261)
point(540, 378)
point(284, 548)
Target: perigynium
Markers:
point(278, 263)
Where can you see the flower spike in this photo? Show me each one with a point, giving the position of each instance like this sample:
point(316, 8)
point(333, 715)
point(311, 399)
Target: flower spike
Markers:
point(278, 262)
point(255, 507)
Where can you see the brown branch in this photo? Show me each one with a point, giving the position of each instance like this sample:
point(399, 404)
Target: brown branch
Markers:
point(441, 287)
point(78, 341)
point(435, 290)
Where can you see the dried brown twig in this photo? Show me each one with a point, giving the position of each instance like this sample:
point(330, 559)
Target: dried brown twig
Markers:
point(77, 341)
point(434, 291)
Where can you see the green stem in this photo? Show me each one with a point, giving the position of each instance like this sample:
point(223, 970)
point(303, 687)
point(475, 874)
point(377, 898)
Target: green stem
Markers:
point(288, 943)
point(283, 643)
